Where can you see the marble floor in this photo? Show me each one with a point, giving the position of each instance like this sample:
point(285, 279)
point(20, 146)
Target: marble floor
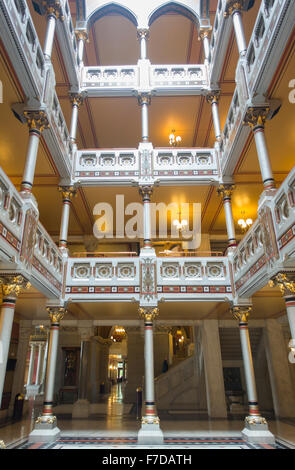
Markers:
point(115, 427)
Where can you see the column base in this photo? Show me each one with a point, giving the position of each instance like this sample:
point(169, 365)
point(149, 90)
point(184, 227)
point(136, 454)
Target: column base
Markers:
point(81, 409)
point(256, 431)
point(150, 432)
point(45, 430)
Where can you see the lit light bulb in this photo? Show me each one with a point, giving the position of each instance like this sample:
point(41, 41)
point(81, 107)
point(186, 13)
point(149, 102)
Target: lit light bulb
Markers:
point(240, 221)
point(184, 222)
point(249, 221)
point(178, 139)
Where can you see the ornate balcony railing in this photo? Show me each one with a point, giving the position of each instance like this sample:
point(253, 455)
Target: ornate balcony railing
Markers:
point(199, 278)
point(126, 166)
point(178, 79)
point(21, 42)
point(110, 81)
point(47, 264)
point(113, 279)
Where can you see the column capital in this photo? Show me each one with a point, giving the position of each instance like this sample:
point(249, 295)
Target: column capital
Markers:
point(232, 6)
point(225, 190)
point(144, 98)
point(13, 285)
point(148, 313)
point(77, 99)
point(256, 117)
point(56, 314)
point(143, 33)
point(146, 192)
point(284, 283)
point(81, 34)
point(68, 192)
point(53, 8)
point(241, 313)
point(205, 33)
point(36, 120)
point(213, 96)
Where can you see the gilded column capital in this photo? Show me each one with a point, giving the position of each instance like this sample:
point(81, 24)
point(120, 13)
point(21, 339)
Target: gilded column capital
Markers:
point(56, 314)
point(143, 33)
point(13, 285)
point(225, 190)
point(232, 6)
point(148, 313)
point(36, 120)
point(146, 192)
point(205, 33)
point(144, 98)
point(53, 8)
point(256, 117)
point(284, 283)
point(77, 99)
point(213, 96)
point(241, 313)
point(81, 34)
point(68, 192)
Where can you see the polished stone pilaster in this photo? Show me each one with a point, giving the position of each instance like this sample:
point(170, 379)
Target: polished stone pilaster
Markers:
point(144, 100)
point(46, 429)
point(213, 98)
point(77, 101)
point(213, 369)
point(225, 190)
point(67, 196)
point(81, 408)
point(37, 122)
point(143, 35)
point(146, 194)
point(81, 37)
point(286, 284)
point(39, 362)
point(150, 432)
point(255, 118)
point(11, 287)
point(31, 363)
point(234, 8)
point(256, 428)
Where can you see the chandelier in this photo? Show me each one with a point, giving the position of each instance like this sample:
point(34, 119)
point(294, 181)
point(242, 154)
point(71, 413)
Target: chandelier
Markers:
point(245, 224)
point(118, 334)
point(173, 139)
point(179, 336)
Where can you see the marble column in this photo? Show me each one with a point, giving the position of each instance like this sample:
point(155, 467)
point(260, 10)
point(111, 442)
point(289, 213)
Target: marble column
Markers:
point(39, 361)
point(213, 98)
point(143, 35)
point(234, 8)
point(81, 408)
point(256, 428)
point(25, 329)
point(150, 432)
point(144, 100)
point(67, 195)
point(11, 287)
point(31, 363)
point(225, 190)
point(213, 370)
point(279, 373)
point(53, 13)
point(46, 429)
point(77, 101)
point(255, 118)
point(82, 38)
point(204, 36)
point(37, 122)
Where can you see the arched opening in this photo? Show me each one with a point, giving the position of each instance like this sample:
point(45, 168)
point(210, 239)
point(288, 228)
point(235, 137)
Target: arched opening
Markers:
point(174, 8)
point(111, 9)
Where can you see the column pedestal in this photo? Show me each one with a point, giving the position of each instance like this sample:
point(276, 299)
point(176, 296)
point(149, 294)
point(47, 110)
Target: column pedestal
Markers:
point(256, 430)
point(150, 433)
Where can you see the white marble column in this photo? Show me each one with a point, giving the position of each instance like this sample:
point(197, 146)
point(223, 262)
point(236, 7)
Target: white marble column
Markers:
point(77, 101)
point(67, 195)
point(150, 432)
point(213, 370)
point(234, 8)
point(81, 37)
point(225, 190)
point(31, 364)
point(53, 14)
point(11, 287)
point(22, 351)
point(39, 362)
point(143, 35)
point(204, 35)
point(46, 429)
point(280, 378)
point(144, 100)
point(213, 98)
point(256, 428)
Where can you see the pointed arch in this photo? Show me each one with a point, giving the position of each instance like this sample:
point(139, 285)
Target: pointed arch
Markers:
point(174, 7)
point(111, 8)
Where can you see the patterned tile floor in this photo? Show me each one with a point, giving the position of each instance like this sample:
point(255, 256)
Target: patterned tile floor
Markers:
point(131, 443)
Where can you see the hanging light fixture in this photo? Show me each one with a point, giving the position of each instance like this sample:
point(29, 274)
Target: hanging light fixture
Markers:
point(173, 139)
point(118, 334)
point(179, 336)
point(245, 224)
point(180, 223)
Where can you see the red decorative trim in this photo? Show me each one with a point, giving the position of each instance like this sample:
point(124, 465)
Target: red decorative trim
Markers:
point(45, 273)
